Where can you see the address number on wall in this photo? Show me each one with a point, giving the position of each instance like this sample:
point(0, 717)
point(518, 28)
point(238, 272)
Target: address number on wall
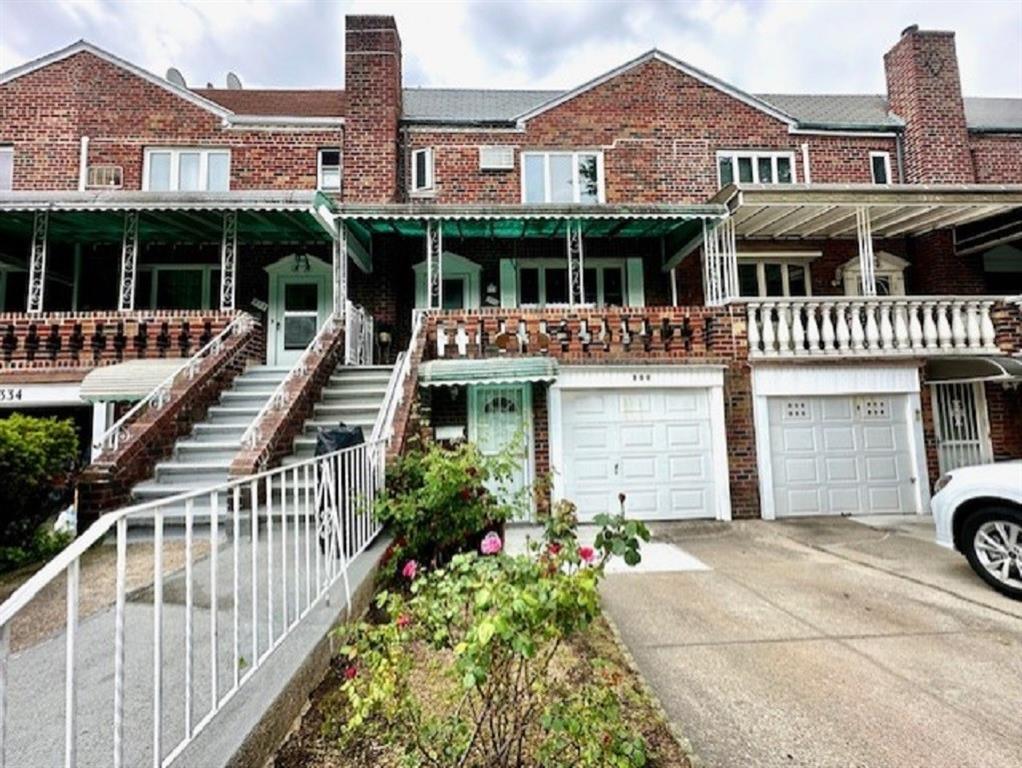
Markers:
point(9, 395)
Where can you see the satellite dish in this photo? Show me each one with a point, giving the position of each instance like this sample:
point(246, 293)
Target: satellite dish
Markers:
point(233, 82)
point(174, 75)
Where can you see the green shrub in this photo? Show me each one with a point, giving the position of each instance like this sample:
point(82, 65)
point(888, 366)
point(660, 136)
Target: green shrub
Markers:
point(438, 503)
point(37, 458)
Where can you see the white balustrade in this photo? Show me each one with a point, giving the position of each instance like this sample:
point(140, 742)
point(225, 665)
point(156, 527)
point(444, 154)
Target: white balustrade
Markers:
point(871, 326)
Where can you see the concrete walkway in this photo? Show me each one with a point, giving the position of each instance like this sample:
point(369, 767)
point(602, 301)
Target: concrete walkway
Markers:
point(827, 643)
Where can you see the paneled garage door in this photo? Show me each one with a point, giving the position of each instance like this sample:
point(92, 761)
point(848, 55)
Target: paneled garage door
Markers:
point(652, 444)
point(841, 455)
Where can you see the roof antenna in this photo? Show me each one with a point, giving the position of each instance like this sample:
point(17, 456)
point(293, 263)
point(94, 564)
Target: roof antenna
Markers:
point(174, 76)
point(233, 82)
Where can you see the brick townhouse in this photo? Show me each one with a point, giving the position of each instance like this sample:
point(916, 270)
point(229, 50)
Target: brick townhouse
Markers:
point(721, 304)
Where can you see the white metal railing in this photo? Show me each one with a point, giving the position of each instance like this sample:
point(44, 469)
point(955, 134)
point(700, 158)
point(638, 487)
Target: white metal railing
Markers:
point(358, 335)
point(253, 434)
point(119, 433)
point(304, 524)
point(871, 326)
point(383, 429)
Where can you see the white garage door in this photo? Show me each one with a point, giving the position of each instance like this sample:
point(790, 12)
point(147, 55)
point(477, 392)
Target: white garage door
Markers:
point(841, 455)
point(652, 444)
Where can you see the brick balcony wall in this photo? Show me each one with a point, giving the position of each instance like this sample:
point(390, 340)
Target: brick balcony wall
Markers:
point(76, 340)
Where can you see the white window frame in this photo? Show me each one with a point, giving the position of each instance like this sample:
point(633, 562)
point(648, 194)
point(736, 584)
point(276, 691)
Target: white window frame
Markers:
point(599, 264)
point(207, 279)
point(319, 168)
point(8, 150)
point(785, 261)
point(91, 184)
point(427, 185)
point(175, 164)
point(887, 266)
point(574, 155)
point(756, 156)
point(887, 167)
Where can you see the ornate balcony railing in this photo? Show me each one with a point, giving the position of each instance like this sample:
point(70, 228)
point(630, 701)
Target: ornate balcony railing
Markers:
point(891, 326)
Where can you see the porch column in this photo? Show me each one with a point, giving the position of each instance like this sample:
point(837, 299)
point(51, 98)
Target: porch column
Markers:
point(340, 268)
point(129, 262)
point(37, 262)
point(576, 282)
point(228, 261)
point(867, 261)
point(720, 262)
point(434, 264)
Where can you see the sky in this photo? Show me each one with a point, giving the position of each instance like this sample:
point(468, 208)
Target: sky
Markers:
point(762, 46)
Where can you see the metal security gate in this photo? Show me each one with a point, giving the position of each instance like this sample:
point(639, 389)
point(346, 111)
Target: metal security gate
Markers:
point(961, 425)
point(500, 419)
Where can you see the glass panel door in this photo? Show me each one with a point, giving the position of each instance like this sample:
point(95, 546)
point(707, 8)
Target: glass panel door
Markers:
point(296, 317)
point(500, 419)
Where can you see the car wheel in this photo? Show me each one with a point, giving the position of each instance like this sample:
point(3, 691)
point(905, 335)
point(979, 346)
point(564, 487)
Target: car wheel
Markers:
point(992, 542)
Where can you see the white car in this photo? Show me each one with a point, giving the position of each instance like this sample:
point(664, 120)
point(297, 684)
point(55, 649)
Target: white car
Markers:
point(978, 512)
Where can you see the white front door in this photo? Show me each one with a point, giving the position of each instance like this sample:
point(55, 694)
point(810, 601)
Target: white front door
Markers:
point(297, 311)
point(500, 417)
point(841, 455)
point(653, 445)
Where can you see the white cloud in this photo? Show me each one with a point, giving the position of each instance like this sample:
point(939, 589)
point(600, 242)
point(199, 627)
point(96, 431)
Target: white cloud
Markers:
point(767, 45)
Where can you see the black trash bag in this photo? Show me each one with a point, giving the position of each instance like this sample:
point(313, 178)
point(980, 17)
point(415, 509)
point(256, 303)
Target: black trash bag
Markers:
point(331, 440)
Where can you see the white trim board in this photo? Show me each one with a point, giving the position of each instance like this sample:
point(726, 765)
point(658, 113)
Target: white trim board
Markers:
point(710, 377)
point(829, 380)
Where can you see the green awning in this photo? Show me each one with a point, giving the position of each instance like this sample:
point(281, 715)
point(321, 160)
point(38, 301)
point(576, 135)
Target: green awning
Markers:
point(499, 370)
point(193, 217)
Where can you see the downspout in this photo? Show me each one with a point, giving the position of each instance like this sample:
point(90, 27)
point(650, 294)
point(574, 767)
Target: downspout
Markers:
point(83, 164)
point(808, 177)
point(899, 156)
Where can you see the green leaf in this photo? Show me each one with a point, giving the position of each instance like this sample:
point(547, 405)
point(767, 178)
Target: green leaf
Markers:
point(485, 632)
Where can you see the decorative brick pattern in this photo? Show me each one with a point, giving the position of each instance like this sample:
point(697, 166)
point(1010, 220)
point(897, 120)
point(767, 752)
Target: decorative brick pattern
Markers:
point(107, 484)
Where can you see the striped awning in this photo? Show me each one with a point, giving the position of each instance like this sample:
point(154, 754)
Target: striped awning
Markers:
point(500, 370)
point(131, 381)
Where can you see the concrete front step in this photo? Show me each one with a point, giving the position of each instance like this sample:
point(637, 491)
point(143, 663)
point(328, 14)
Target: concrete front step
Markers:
point(218, 432)
point(354, 395)
point(206, 451)
point(343, 410)
point(247, 396)
point(203, 473)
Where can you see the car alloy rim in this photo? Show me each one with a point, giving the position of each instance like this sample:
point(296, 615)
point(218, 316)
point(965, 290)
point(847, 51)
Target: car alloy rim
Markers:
point(998, 545)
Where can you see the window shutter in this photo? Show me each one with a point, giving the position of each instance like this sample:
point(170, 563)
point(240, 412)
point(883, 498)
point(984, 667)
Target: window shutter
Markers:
point(636, 284)
point(508, 283)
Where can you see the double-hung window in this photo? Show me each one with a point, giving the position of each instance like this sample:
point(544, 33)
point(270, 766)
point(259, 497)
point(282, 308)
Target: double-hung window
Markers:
point(179, 286)
point(755, 167)
point(544, 282)
point(771, 276)
point(6, 168)
point(422, 170)
point(880, 167)
point(562, 177)
point(329, 169)
point(179, 169)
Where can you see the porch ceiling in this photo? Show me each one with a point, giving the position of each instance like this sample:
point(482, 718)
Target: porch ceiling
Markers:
point(823, 211)
point(540, 221)
point(263, 217)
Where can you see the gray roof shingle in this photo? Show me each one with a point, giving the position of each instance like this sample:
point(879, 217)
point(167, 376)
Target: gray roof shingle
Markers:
point(835, 110)
point(999, 114)
point(465, 105)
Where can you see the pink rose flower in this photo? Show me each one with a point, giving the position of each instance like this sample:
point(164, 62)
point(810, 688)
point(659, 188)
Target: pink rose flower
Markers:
point(491, 544)
point(410, 570)
point(554, 548)
point(588, 554)
point(403, 620)
point(350, 673)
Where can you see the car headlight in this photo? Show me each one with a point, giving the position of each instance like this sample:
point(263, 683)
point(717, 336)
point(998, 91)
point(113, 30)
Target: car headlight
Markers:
point(942, 483)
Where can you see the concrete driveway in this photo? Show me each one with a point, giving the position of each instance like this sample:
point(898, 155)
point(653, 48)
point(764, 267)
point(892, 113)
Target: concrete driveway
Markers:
point(827, 643)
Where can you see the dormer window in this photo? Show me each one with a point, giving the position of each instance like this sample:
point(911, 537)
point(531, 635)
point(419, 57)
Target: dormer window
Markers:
point(329, 169)
point(186, 170)
point(562, 177)
point(755, 167)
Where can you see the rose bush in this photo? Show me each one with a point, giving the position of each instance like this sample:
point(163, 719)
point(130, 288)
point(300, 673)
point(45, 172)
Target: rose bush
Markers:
point(499, 620)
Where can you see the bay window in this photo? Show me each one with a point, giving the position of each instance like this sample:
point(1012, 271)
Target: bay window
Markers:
point(562, 177)
point(755, 167)
point(174, 169)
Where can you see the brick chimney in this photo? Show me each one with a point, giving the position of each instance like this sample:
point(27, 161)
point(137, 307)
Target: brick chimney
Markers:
point(923, 89)
point(372, 84)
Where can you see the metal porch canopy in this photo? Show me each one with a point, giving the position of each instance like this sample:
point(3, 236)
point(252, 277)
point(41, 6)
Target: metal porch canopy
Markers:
point(501, 370)
point(968, 369)
point(189, 217)
point(679, 222)
point(822, 211)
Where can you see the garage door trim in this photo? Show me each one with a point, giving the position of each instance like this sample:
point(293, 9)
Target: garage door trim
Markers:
point(610, 377)
point(830, 380)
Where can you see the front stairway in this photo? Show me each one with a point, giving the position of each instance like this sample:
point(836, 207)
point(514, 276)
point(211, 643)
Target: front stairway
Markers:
point(204, 457)
point(353, 395)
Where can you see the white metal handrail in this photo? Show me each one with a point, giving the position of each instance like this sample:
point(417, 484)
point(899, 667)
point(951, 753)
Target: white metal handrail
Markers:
point(383, 429)
point(279, 399)
point(119, 433)
point(358, 335)
point(854, 325)
point(319, 510)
